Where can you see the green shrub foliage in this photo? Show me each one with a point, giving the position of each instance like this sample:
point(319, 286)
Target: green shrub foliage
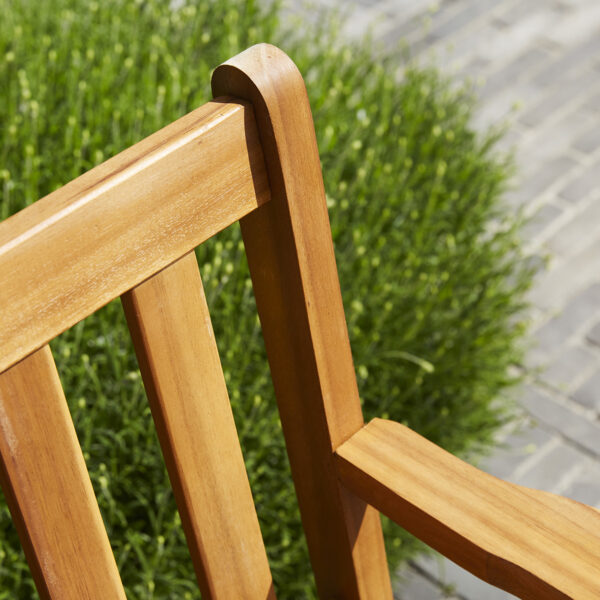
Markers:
point(429, 259)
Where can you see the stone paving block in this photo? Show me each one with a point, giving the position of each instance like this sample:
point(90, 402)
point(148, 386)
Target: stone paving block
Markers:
point(402, 10)
point(556, 332)
point(550, 471)
point(555, 287)
point(586, 486)
point(446, 27)
point(574, 29)
point(511, 141)
point(579, 429)
point(500, 108)
point(411, 585)
point(529, 59)
point(553, 138)
point(462, 583)
point(573, 58)
point(583, 184)
point(589, 142)
point(588, 393)
point(412, 28)
point(575, 4)
point(541, 219)
point(539, 180)
point(536, 262)
point(494, 44)
point(593, 102)
point(510, 14)
point(370, 3)
point(574, 234)
point(593, 335)
point(452, 56)
point(565, 91)
point(506, 42)
point(467, 585)
point(380, 16)
point(572, 365)
point(463, 17)
point(475, 70)
point(517, 448)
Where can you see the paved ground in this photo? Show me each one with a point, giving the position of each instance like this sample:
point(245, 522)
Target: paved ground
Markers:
point(541, 60)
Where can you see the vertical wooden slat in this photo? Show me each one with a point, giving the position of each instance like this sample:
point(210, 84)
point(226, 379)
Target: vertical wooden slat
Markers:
point(290, 252)
point(172, 333)
point(48, 488)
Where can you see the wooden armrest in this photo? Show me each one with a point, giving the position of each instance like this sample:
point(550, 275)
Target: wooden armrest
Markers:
point(532, 544)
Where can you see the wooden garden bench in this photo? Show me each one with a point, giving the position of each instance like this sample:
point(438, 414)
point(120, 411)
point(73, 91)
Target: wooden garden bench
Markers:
point(128, 228)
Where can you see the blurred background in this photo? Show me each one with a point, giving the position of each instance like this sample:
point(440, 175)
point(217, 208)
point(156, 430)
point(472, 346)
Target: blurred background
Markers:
point(535, 69)
point(460, 144)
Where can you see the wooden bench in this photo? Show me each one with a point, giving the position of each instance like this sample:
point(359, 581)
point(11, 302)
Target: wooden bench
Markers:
point(128, 228)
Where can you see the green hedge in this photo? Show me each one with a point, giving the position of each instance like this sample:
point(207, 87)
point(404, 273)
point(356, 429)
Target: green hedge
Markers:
point(429, 259)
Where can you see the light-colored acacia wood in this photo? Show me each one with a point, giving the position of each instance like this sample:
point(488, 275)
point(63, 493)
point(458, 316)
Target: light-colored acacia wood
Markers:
point(290, 253)
point(118, 226)
point(532, 544)
point(48, 489)
point(73, 251)
point(173, 336)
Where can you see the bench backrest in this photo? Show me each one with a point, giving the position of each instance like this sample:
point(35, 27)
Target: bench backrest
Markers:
point(128, 228)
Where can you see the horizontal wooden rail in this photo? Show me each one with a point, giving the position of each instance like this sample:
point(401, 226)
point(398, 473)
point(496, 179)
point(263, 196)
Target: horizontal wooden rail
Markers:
point(530, 543)
point(125, 220)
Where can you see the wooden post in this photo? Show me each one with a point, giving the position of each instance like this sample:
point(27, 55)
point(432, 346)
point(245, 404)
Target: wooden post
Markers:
point(292, 264)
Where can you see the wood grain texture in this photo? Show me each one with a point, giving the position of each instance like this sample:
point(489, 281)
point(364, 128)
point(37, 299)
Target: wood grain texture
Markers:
point(532, 544)
point(290, 253)
point(73, 251)
point(48, 488)
point(173, 336)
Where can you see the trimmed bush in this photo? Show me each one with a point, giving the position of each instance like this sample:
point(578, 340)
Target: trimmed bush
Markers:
point(429, 258)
